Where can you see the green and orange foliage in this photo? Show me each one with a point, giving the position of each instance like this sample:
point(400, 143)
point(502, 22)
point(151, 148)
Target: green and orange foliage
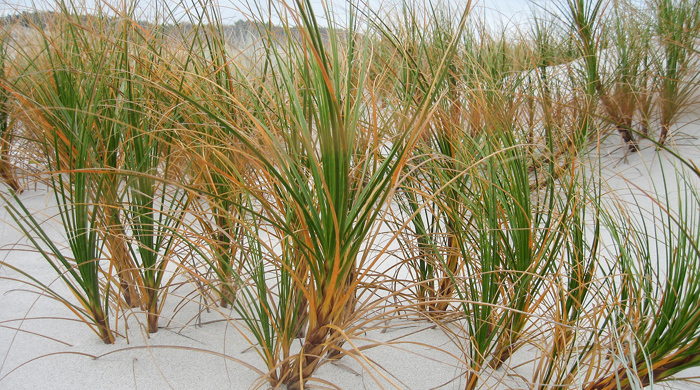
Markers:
point(677, 25)
point(538, 118)
point(65, 94)
point(483, 94)
point(324, 179)
point(416, 43)
point(510, 229)
point(271, 181)
point(222, 169)
point(631, 90)
point(585, 20)
point(88, 103)
point(620, 90)
point(154, 208)
point(575, 289)
point(613, 60)
point(656, 307)
point(6, 125)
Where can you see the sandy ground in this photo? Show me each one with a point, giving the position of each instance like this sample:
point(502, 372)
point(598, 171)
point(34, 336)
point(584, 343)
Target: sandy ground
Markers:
point(42, 346)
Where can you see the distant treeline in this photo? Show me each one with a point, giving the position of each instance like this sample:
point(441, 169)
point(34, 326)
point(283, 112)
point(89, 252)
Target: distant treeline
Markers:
point(235, 33)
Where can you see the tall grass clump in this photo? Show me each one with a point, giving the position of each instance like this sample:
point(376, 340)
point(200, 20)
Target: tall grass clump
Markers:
point(415, 47)
point(6, 130)
point(153, 207)
point(575, 288)
point(325, 178)
point(87, 105)
point(487, 216)
point(223, 177)
point(677, 25)
point(585, 19)
point(68, 89)
point(623, 92)
point(633, 85)
point(530, 223)
point(511, 233)
point(547, 106)
point(657, 311)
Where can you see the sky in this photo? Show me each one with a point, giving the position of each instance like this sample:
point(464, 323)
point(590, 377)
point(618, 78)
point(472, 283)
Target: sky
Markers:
point(232, 10)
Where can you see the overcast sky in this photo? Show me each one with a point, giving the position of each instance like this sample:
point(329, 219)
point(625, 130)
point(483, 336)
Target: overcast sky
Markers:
point(515, 10)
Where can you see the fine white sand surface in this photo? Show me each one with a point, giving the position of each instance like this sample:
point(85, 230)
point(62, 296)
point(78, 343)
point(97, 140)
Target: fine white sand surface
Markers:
point(44, 346)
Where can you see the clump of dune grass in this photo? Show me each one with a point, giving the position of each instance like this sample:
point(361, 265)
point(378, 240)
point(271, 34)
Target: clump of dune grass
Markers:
point(656, 311)
point(66, 104)
point(325, 181)
point(677, 25)
point(6, 131)
point(103, 162)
